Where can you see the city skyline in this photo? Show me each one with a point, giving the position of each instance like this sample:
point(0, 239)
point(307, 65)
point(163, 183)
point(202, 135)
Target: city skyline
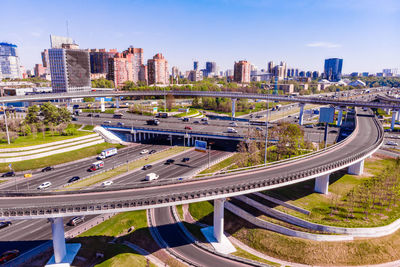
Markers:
point(222, 31)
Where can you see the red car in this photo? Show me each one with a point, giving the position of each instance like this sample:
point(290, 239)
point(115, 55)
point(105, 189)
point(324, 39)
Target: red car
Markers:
point(188, 128)
point(9, 255)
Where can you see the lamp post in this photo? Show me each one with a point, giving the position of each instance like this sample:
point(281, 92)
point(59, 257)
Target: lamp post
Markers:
point(5, 120)
point(266, 134)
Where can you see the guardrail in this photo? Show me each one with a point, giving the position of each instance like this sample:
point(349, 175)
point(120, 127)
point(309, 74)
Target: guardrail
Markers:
point(131, 202)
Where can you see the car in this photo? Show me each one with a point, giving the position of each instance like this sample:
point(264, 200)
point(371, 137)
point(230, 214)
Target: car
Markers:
point(152, 151)
point(169, 161)
point(107, 122)
point(233, 123)
point(9, 255)
point(333, 131)
point(73, 179)
point(186, 119)
point(28, 175)
point(205, 118)
point(258, 128)
point(44, 185)
point(89, 115)
point(107, 183)
point(47, 169)
point(144, 151)
point(309, 126)
point(76, 220)
point(120, 124)
point(185, 159)
point(188, 128)
point(146, 167)
point(196, 122)
point(97, 115)
point(8, 174)
point(205, 123)
point(74, 119)
point(5, 224)
point(391, 143)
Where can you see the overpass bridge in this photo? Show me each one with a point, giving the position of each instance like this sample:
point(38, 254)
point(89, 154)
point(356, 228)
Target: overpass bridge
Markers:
point(349, 153)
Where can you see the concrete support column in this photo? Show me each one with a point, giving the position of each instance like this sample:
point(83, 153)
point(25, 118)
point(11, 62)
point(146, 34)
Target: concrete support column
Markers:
point(301, 113)
point(140, 136)
point(57, 228)
point(388, 111)
point(340, 115)
point(117, 102)
point(102, 105)
point(356, 168)
point(394, 114)
point(398, 115)
point(233, 107)
point(322, 184)
point(219, 218)
point(134, 137)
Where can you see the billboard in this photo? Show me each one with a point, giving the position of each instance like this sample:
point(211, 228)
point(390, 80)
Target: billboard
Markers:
point(155, 110)
point(200, 146)
point(327, 115)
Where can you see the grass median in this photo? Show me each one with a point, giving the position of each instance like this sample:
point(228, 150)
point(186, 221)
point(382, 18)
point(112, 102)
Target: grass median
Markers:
point(57, 158)
point(123, 169)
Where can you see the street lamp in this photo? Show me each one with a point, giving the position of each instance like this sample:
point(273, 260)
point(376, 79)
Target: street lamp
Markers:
point(5, 120)
point(266, 134)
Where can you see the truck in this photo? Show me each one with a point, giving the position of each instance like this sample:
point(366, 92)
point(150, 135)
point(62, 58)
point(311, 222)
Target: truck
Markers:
point(96, 165)
point(107, 153)
point(153, 122)
point(151, 176)
point(278, 107)
point(162, 115)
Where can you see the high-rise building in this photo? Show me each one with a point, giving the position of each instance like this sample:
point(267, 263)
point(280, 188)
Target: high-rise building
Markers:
point(99, 60)
point(157, 70)
point(195, 65)
point(271, 67)
point(143, 73)
point(9, 62)
point(211, 68)
point(175, 72)
point(69, 68)
point(134, 55)
point(296, 73)
point(333, 69)
point(241, 71)
point(119, 70)
point(315, 74)
point(195, 75)
point(279, 71)
point(59, 41)
point(308, 74)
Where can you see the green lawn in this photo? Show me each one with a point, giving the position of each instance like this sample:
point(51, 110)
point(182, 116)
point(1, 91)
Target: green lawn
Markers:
point(123, 169)
point(190, 113)
point(39, 139)
point(97, 239)
point(57, 158)
point(88, 127)
point(244, 254)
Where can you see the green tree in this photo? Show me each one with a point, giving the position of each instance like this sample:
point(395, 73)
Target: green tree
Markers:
point(88, 99)
point(102, 83)
point(32, 115)
point(50, 113)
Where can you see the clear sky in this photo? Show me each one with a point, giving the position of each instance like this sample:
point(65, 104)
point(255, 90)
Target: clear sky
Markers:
point(365, 33)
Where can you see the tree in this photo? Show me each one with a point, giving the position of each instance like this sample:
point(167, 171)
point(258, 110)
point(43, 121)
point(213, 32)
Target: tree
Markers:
point(64, 115)
point(32, 115)
point(102, 83)
point(170, 102)
point(88, 99)
point(50, 113)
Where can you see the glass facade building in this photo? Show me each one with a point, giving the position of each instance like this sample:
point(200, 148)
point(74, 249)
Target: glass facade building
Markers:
point(9, 62)
point(333, 69)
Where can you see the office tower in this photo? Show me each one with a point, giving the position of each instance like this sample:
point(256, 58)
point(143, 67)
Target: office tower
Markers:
point(281, 71)
point(302, 74)
point(119, 70)
point(296, 73)
point(99, 60)
point(69, 68)
point(333, 69)
point(308, 74)
point(315, 74)
point(211, 67)
point(195, 65)
point(175, 72)
point(157, 70)
point(59, 41)
point(241, 71)
point(271, 67)
point(365, 74)
point(135, 56)
point(9, 62)
point(195, 75)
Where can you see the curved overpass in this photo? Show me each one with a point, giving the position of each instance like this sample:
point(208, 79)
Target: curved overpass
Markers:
point(365, 140)
point(233, 95)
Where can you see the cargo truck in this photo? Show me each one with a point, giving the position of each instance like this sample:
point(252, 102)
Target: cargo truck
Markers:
point(107, 153)
point(96, 165)
point(151, 176)
point(153, 122)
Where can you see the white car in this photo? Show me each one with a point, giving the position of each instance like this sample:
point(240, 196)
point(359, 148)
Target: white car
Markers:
point(144, 151)
point(44, 185)
point(233, 123)
point(107, 183)
point(391, 143)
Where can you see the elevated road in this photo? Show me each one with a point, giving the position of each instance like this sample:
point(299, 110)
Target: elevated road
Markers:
point(366, 139)
point(233, 95)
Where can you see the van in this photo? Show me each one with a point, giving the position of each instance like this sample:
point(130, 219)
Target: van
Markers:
point(151, 176)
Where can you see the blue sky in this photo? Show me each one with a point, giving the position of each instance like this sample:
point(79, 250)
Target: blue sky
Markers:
point(365, 33)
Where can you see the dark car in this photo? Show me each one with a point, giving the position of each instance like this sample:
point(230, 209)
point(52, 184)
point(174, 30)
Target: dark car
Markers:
point(89, 115)
point(146, 167)
point(185, 119)
point(97, 115)
point(333, 131)
point(196, 122)
point(8, 174)
point(74, 119)
point(5, 224)
point(76, 220)
point(185, 159)
point(205, 123)
point(47, 169)
point(73, 179)
point(169, 161)
point(9, 255)
point(152, 151)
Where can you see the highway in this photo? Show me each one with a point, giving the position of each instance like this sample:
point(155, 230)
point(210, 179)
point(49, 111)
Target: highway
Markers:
point(367, 137)
point(171, 233)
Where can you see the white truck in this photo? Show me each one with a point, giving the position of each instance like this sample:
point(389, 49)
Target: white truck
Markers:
point(151, 176)
point(107, 153)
